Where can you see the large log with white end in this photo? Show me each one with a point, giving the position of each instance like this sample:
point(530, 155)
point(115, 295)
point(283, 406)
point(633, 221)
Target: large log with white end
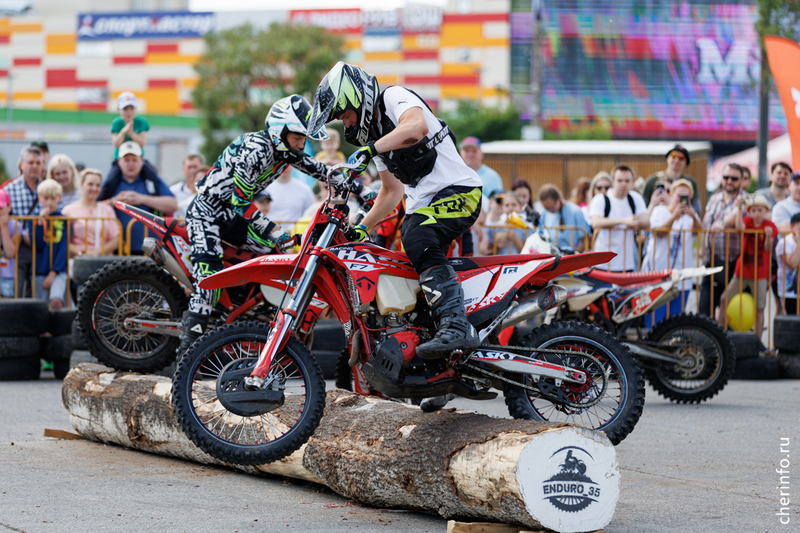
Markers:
point(388, 454)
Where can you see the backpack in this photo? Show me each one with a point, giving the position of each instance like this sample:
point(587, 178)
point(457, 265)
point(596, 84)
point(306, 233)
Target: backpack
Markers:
point(607, 210)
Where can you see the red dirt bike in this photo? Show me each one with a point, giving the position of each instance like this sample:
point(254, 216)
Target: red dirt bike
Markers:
point(129, 312)
point(252, 393)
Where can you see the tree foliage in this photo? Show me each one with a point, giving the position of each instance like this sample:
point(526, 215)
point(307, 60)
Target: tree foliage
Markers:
point(776, 17)
point(244, 71)
point(485, 123)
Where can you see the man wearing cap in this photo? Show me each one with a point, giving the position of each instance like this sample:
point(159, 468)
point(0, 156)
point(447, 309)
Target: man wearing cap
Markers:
point(779, 176)
point(782, 211)
point(150, 194)
point(677, 161)
point(471, 153)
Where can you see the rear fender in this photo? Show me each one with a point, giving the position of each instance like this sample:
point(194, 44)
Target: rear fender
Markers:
point(568, 263)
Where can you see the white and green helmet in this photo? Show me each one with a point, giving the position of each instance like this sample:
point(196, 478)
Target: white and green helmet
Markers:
point(290, 115)
point(346, 87)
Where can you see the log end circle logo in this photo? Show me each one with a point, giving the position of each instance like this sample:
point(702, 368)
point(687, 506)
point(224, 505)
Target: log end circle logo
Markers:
point(570, 489)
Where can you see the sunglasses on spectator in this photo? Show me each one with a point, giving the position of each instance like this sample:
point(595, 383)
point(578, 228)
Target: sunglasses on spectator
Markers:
point(730, 178)
point(602, 187)
point(678, 155)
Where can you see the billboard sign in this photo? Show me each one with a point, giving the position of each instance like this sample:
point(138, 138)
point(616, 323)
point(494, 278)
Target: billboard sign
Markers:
point(646, 68)
point(143, 25)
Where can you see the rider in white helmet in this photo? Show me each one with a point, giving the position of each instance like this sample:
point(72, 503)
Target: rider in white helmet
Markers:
point(246, 167)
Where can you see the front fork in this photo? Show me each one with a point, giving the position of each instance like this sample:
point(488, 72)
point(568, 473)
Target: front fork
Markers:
point(286, 317)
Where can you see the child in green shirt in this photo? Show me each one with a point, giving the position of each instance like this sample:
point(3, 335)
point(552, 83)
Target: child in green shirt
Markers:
point(128, 127)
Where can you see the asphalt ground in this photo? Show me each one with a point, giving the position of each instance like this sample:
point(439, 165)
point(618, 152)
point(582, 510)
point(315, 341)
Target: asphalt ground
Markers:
point(685, 468)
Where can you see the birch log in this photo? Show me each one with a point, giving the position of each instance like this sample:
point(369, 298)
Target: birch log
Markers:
point(388, 454)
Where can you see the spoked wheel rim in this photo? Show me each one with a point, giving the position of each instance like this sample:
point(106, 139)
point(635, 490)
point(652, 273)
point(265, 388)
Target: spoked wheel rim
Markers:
point(700, 363)
point(288, 373)
point(130, 299)
point(605, 411)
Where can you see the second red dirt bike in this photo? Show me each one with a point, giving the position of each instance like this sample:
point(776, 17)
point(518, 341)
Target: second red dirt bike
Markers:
point(129, 312)
point(252, 393)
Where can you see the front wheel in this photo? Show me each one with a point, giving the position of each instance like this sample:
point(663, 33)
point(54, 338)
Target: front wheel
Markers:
point(233, 424)
point(707, 355)
point(622, 402)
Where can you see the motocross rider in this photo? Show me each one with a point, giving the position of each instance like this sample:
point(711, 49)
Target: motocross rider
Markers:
point(416, 156)
point(246, 167)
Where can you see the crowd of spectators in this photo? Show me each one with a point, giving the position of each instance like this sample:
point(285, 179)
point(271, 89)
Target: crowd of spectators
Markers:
point(652, 223)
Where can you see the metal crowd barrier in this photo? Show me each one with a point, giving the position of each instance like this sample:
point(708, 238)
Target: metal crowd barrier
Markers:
point(21, 222)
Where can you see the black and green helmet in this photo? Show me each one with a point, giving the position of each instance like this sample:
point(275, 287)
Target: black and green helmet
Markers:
point(346, 87)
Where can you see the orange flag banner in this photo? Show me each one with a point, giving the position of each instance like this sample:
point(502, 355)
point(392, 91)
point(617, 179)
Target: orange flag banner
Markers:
point(784, 62)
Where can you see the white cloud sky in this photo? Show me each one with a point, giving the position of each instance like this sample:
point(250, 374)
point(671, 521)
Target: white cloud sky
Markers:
point(269, 5)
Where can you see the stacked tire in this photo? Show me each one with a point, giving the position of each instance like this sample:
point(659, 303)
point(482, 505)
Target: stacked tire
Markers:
point(749, 364)
point(58, 346)
point(22, 322)
point(787, 343)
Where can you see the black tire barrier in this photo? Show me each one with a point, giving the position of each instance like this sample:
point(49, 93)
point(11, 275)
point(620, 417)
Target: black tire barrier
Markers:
point(16, 347)
point(328, 337)
point(786, 332)
point(23, 317)
point(761, 368)
point(789, 365)
point(77, 340)
point(20, 368)
point(746, 344)
point(61, 321)
point(56, 348)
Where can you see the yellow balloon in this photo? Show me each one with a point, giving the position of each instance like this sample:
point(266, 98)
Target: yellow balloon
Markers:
point(741, 312)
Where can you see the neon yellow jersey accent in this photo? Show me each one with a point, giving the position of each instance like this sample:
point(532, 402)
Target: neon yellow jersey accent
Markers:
point(457, 205)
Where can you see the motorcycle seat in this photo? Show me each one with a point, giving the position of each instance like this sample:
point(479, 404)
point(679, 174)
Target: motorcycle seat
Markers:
point(627, 278)
point(489, 261)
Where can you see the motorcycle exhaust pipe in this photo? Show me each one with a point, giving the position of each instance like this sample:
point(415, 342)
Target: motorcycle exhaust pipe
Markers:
point(165, 260)
point(535, 303)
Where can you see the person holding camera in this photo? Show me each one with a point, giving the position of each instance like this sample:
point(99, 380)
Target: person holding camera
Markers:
point(670, 245)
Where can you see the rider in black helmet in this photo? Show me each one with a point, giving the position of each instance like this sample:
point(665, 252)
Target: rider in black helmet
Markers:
point(416, 156)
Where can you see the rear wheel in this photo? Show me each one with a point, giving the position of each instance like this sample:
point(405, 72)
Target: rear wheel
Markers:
point(622, 402)
point(708, 359)
point(130, 289)
point(239, 426)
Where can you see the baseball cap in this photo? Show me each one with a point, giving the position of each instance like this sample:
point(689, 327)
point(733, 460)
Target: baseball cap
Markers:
point(470, 141)
point(5, 199)
point(681, 149)
point(129, 147)
point(42, 145)
point(125, 99)
point(796, 175)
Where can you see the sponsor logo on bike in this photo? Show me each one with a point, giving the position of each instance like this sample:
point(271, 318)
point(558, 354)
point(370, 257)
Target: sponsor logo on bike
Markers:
point(570, 489)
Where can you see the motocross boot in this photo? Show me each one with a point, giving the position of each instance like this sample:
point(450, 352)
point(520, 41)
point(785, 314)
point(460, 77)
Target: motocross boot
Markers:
point(194, 325)
point(444, 294)
point(429, 405)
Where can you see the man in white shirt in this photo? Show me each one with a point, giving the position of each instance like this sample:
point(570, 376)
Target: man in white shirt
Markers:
point(616, 217)
point(182, 190)
point(291, 198)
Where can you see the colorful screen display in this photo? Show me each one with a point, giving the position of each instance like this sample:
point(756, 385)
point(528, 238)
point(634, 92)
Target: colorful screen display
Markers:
point(646, 69)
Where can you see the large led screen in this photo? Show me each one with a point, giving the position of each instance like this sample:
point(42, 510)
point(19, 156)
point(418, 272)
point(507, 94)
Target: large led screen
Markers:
point(645, 69)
